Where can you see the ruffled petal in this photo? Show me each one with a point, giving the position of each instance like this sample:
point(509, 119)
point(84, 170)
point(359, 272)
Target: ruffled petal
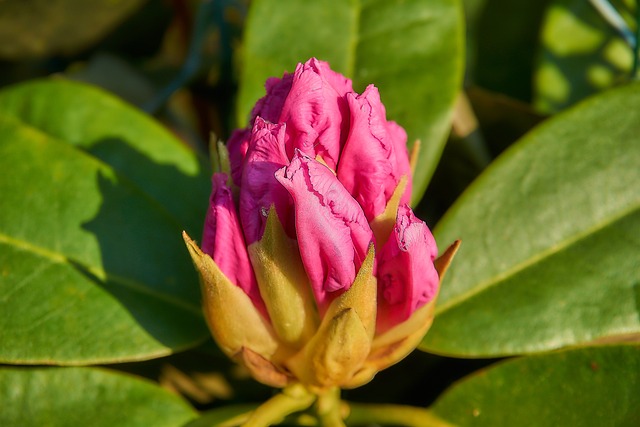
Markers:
point(259, 189)
point(333, 233)
point(407, 278)
point(375, 156)
point(316, 112)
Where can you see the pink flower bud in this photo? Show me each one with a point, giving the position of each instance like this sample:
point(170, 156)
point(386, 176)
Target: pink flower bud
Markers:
point(346, 273)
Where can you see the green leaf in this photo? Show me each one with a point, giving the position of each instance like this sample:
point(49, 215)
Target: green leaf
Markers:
point(52, 27)
point(581, 54)
point(228, 416)
point(550, 239)
point(584, 387)
point(86, 397)
point(411, 50)
point(94, 197)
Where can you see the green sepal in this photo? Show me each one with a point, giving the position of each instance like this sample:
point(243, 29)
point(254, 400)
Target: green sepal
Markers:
point(383, 224)
point(284, 285)
point(334, 354)
point(395, 344)
point(343, 341)
point(234, 321)
point(219, 156)
point(361, 296)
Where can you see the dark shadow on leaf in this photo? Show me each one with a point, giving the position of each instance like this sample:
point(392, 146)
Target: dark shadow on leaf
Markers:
point(145, 266)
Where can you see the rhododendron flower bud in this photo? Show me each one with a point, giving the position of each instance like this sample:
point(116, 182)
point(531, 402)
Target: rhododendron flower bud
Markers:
point(317, 271)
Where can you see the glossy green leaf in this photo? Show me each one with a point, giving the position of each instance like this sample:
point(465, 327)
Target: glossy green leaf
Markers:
point(51, 27)
point(580, 54)
point(411, 50)
point(86, 397)
point(550, 253)
point(584, 387)
point(94, 198)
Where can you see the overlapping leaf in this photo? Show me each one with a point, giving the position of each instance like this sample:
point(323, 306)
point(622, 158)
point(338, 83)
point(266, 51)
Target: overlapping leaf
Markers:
point(550, 235)
point(86, 397)
point(411, 50)
point(94, 196)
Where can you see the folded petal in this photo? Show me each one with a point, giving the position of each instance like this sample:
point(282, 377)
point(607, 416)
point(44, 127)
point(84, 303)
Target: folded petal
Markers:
point(316, 112)
point(407, 277)
point(332, 231)
point(270, 106)
point(375, 157)
point(237, 146)
point(259, 189)
point(222, 240)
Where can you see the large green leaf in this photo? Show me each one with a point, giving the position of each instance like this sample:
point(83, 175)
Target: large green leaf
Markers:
point(550, 239)
point(585, 387)
point(86, 397)
point(94, 197)
point(580, 54)
point(411, 50)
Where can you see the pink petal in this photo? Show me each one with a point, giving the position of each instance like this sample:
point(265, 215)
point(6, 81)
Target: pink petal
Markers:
point(407, 278)
point(375, 155)
point(259, 189)
point(333, 233)
point(270, 106)
point(237, 146)
point(222, 240)
point(401, 166)
point(316, 112)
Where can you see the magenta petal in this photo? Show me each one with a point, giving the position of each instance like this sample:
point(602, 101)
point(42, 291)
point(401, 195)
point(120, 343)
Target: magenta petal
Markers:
point(222, 240)
point(316, 113)
point(237, 146)
point(375, 156)
point(407, 278)
point(338, 82)
point(401, 165)
point(333, 233)
point(270, 106)
point(260, 190)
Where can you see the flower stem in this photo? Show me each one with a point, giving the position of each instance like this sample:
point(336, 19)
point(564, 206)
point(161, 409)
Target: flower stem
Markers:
point(409, 416)
point(292, 399)
point(329, 410)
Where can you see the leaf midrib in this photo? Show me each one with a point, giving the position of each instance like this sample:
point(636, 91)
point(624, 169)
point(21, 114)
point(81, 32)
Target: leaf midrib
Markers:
point(100, 273)
point(536, 258)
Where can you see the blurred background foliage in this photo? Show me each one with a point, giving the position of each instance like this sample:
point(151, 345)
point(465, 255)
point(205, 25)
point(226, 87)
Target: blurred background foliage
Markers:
point(181, 61)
